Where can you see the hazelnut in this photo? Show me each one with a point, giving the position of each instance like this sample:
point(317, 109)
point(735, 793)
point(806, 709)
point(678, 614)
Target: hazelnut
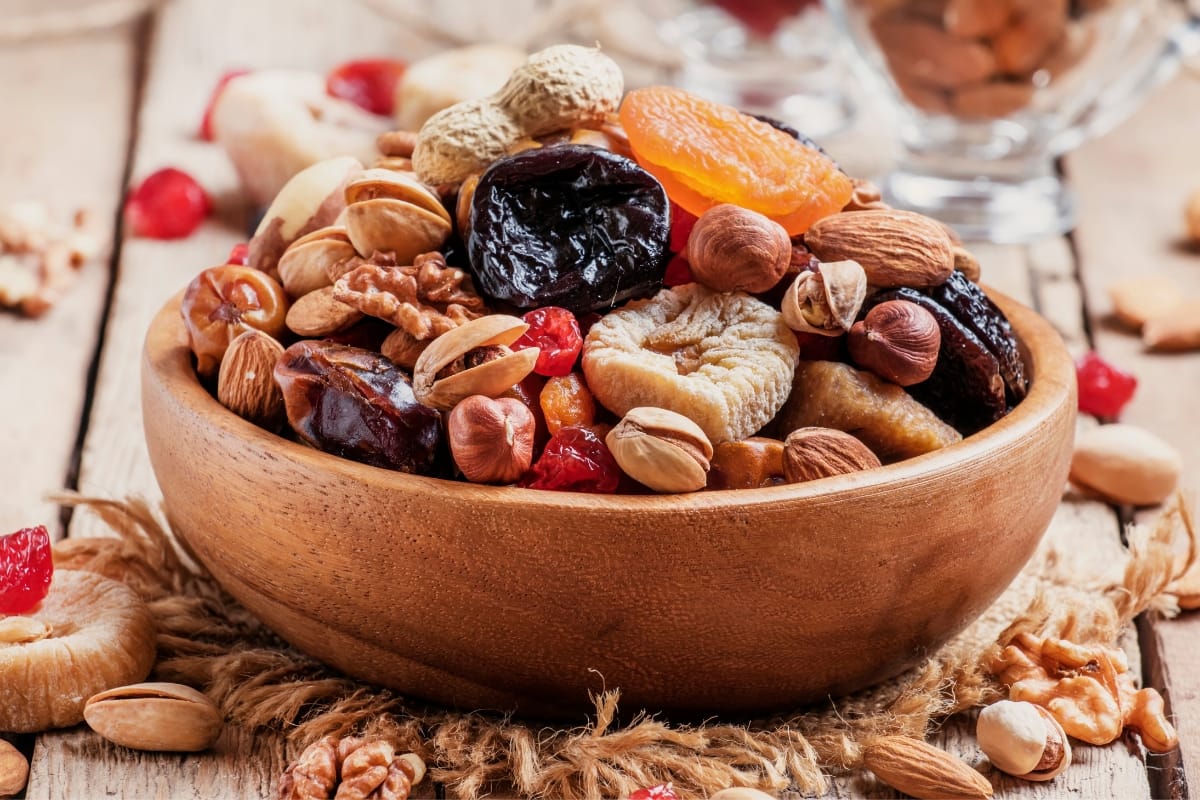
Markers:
point(491, 440)
point(898, 341)
point(735, 249)
point(813, 453)
point(1023, 740)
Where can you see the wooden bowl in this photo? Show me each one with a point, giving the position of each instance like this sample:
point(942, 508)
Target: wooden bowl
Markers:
point(504, 598)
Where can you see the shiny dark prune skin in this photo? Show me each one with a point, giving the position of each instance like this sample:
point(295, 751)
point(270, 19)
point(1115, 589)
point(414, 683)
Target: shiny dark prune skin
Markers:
point(359, 405)
point(568, 225)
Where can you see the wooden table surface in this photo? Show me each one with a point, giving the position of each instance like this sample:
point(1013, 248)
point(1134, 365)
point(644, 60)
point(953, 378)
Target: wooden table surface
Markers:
point(85, 116)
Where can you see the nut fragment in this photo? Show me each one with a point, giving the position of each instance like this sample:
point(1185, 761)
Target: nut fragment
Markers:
point(491, 378)
point(734, 249)
point(162, 717)
point(898, 341)
point(364, 768)
point(661, 449)
point(491, 440)
point(101, 635)
point(246, 383)
point(825, 300)
point(1024, 740)
point(810, 454)
point(895, 248)
point(1177, 329)
point(14, 770)
point(1126, 464)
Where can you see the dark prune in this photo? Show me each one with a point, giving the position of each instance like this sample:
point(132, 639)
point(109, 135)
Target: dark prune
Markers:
point(965, 390)
point(970, 306)
point(358, 405)
point(568, 225)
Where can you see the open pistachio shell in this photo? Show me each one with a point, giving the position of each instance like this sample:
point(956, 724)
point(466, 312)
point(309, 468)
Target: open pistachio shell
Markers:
point(312, 260)
point(490, 378)
point(371, 184)
point(395, 226)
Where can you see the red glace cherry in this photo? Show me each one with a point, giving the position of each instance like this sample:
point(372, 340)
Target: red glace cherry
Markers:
point(679, 271)
point(556, 331)
point(682, 222)
point(206, 130)
point(26, 569)
point(168, 204)
point(369, 83)
point(1104, 389)
point(575, 460)
point(664, 791)
point(239, 254)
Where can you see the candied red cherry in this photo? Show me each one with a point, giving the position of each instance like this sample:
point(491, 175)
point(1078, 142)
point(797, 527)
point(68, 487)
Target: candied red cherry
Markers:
point(575, 460)
point(679, 271)
point(369, 83)
point(206, 130)
point(1104, 389)
point(682, 222)
point(168, 204)
point(26, 569)
point(556, 331)
point(664, 791)
point(239, 254)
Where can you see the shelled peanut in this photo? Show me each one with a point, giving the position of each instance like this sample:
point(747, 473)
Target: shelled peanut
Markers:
point(534, 337)
point(980, 59)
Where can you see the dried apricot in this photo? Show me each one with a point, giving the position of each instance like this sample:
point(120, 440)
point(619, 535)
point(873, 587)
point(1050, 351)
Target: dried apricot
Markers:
point(705, 153)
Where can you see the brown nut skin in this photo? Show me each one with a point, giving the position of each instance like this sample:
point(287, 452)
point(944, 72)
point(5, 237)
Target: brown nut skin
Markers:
point(813, 453)
point(898, 341)
point(222, 303)
point(735, 249)
point(491, 440)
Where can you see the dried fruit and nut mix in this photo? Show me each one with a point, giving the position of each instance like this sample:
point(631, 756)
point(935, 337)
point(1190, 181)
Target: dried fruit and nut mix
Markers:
point(572, 288)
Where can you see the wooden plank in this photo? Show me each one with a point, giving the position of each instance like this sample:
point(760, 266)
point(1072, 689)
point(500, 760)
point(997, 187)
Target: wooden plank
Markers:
point(48, 156)
point(1152, 163)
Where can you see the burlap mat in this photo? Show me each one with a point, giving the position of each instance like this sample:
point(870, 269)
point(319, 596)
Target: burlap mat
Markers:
point(207, 640)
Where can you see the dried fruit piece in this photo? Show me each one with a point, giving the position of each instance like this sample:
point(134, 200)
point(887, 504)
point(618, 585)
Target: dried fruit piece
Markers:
point(358, 405)
point(749, 464)
point(369, 83)
point(663, 791)
point(95, 634)
point(575, 460)
point(881, 414)
point(26, 569)
point(565, 400)
point(222, 303)
point(706, 153)
point(679, 272)
point(682, 222)
point(239, 254)
point(206, 129)
point(724, 361)
point(570, 226)
point(556, 332)
point(167, 204)
point(1104, 389)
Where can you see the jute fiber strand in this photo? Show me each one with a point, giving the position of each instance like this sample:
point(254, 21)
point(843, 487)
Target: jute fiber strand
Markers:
point(207, 640)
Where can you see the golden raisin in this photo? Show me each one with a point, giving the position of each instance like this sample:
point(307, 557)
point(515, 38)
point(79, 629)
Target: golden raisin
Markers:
point(566, 400)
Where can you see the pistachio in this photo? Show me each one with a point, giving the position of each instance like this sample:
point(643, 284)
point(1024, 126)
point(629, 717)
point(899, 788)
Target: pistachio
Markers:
point(246, 381)
point(898, 341)
point(813, 453)
point(392, 212)
point(166, 717)
point(825, 300)
point(661, 449)
point(733, 249)
point(1024, 740)
point(498, 370)
point(316, 260)
point(319, 313)
point(1126, 464)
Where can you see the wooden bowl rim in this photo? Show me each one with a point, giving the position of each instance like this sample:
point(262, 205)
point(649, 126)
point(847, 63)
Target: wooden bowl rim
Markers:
point(168, 360)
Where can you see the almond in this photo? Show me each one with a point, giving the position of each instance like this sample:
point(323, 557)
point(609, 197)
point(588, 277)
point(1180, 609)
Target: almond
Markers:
point(923, 771)
point(971, 18)
point(992, 100)
point(810, 454)
point(894, 248)
point(1021, 47)
point(246, 383)
point(1126, 464)
point(927, 54)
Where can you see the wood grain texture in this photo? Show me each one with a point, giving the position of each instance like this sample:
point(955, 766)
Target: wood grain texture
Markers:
point(1152, 163)
point(47, 156)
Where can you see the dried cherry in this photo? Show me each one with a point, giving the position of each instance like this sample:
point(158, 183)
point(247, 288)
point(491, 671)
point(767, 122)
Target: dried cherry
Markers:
point(358, 405)
point(568, 225)
point(664, 791)
point(369, 83)
point(556, 331)
point(575, 460)
point(679, 271)
point(167, 204)
point(26, 569)
point(206, 131)
point(1104, 389)
point(682, 222)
